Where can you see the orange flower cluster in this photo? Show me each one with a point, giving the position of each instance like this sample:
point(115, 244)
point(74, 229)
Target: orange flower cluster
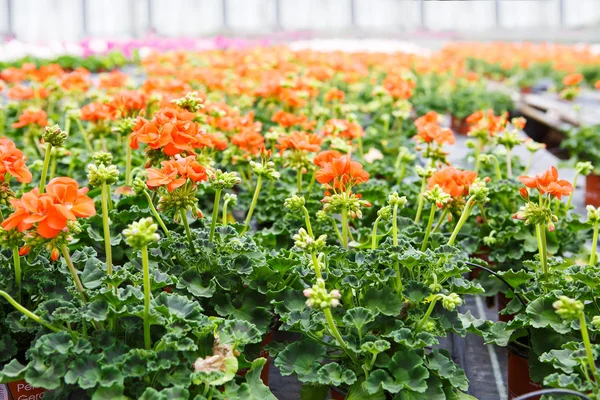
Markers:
point(172, 130)
point(20, 92)
point(453, 181)
point(430, 131)
point(12, 161)
point(343, 128)
point(326, 157)
point(486, 120)
point(32, 116)
point(63, 201)
point(572, 80)
point(548, 182)
point(249, 140)
point(399, 87)
point(300, 141)
point(175, 173)
point(287, 120)
point(341, 173)
point(78, 80)
point(334, 95)
point(113, 80)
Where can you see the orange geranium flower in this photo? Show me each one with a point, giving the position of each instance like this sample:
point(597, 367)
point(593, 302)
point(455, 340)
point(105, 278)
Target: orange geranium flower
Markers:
point(249, 140)
point(453, 181)
point(287, 120)
point(13, 75)
point(113, 80)
point(434, 133)
point(572, 79)
point(175, 173)
point(70, 200)
point(334, 95)
point(95, 112)
point(301, 141)
point(342, 173)
point(12, 161)
point(548, 182)
point(20, 92)
point(127, 103)
point(325, 157)
point(487, 120)
point(430, 118)
point(597, 85)
point(32, 116)
point(77, 80)
point(343, 128)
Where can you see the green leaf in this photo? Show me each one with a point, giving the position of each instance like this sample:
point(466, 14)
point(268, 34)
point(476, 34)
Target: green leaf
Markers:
point(441, 362)
point(302, 358)
point(239, 332)
point(416, 291)
point(253, 388)
point(407, 338)
point(8, 347)
point(311, 391)
point(114, 392)
point(376, 347)
point(383, 301)
point(542, 315)
point(14, 370)
point(177, 308)
point(358, 392)
point(435, 391)
point(95, 311)
point(358, 317)
point(332, 374)
point(191, 281)
point(84, 372)
point(407, 368)
point(379, 380)
point(45, 376)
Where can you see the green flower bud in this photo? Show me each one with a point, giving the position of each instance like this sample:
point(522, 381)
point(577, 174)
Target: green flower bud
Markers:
point(318, 297)
point(54, 135)
point(593, 214)
point(141, 233)
point(11, 239)
point(479, 192)
point(294, 203)
point(124, 126)
point(437, 196)
point(426, 172)
point(102, 157)
point(385, 212)
point(584, 168)
point(596, 322)
point(322, 216)
point(429, 326)
point(266, 170)
point(533, 214)
point(568, 308)
point(405, 155)
point(139, 185)
point(99, 174)
point(190, 102)
point(73, 114)
point(219, 180)
point(6, 193)
point(305, 242)
point(394, 200)
point(230, 199)
point(451, 301)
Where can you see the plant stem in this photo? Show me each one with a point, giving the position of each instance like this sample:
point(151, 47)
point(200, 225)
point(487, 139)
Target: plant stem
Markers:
point(497, 167)
point(374, 234)
point(508, 163)
point(344, 227)
point(253, 204)
point(401, 174)
point(86, 139)
point(421, 200)
point(428, 229)
point(336, 334)
point(65, 252)
point(427, 314)
point(462, 220)
point(17, 262)
point(442, 217)
point(594, 245)
point(477, 161)
point(571, 195)
point(310, 185)
point(47, 157)
point(28, 313)
point(106, 226)
point(316, 265)
point(361, 152)
point(146, 271)
point(127, 163)
point(299, 181)
point(186, 225)
point(307, 221)
point(215, 214)
point(156, 215)
point(545, 251)
point(224, 219)
point(588, 346)
point(395, 242)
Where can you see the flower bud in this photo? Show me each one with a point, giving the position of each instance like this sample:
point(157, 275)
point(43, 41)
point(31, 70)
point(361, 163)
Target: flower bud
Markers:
point(318, 297)
point(141, 233)
point(190, 102)
point(294, 203)
point(230, 199)
point(102, 157)
point(584, 168)
point(219, 180)
point(139, 185)
point(99, 174)
point(305, 242)
point(568, 308)
point(394, 200)
point(54, 135)
point(596, 322)
point(54, 254)
point(451, 301)
point(437, 196)
point(426, 172)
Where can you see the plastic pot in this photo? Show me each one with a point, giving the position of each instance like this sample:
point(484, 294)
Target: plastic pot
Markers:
point(592, 190)
point(20, 390)
point(459, 126)
point(336, 394)
point(519, 381)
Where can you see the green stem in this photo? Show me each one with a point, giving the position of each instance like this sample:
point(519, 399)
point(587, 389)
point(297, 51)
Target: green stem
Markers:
point(337, 230)
point(528, 167)
point(186, 225)
point(395, 242)
point(156, 215)
point(299, 181)
point(344, 227)
point(545, 250)
point(497, 167)
point(253, 204)
point(361, 152)
point(316, 265)
point(374, 234)
point(53, 166)
point(310, 185)
point(462, 220)
point(65, 252)
point(427, 314)
point(401, 174)
point(17, 262)
point(588, 346)
point(594, 245)
point(508, 163)
point(106, 226)
point(47, 157)
point(441, 220)
point(86, 139)
point(571, 195)
point(336, 334)
point(477, 160)
point(28, 313)
point(146, 271)
point(224, 218)
point(215, 214)
point(428, 229)
point(307, 221)
point(127, 163)
point(421, 200)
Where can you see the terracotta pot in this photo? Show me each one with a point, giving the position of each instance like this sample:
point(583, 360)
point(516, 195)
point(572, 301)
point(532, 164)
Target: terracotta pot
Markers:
point(502, 303)
point(592, 190)
point(264, 374)
point(459, 126)
point(337, 395)
point(20, 390)
point(519, 381)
